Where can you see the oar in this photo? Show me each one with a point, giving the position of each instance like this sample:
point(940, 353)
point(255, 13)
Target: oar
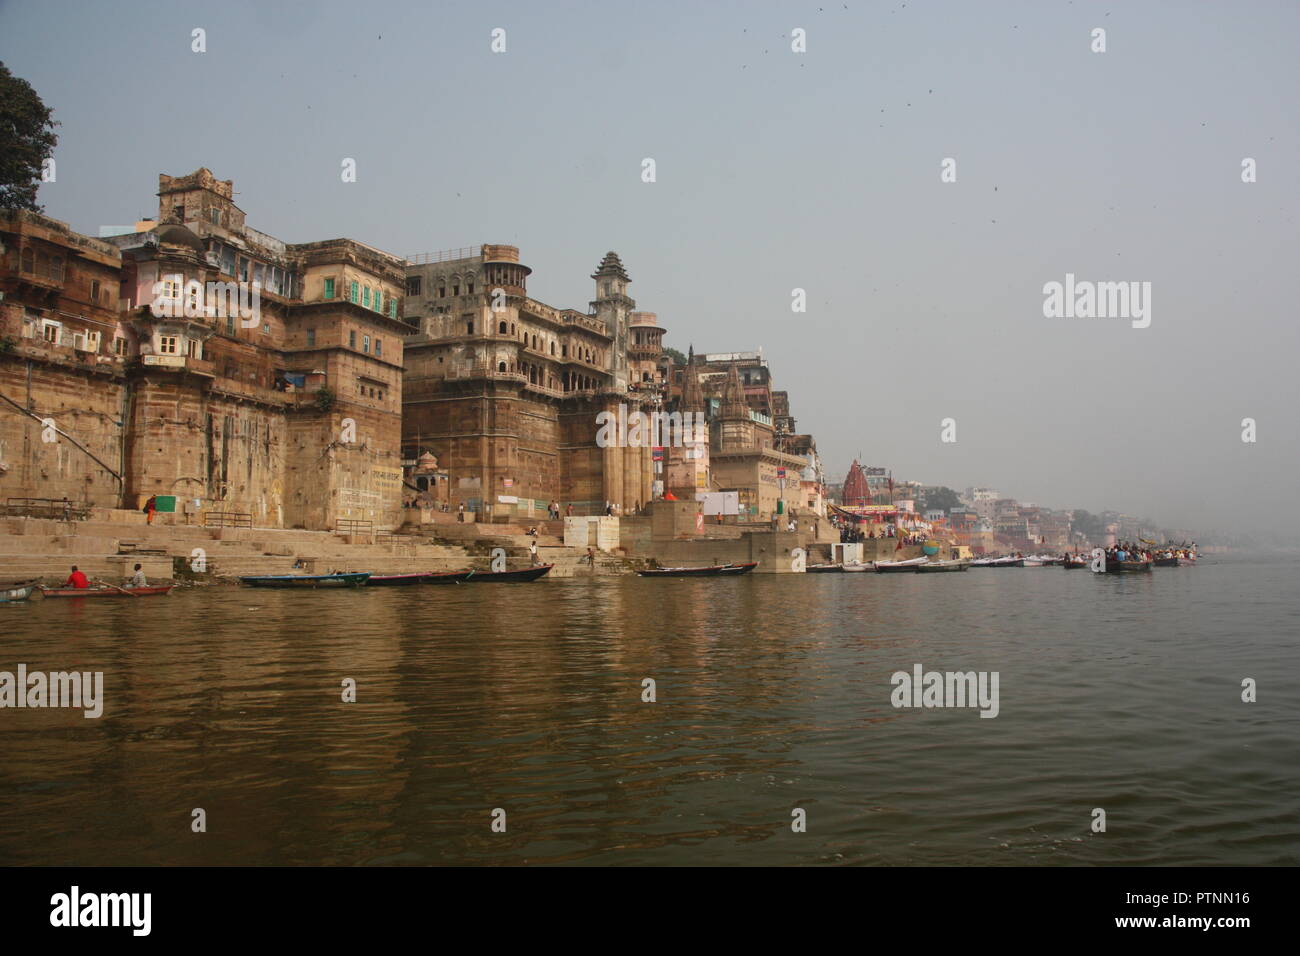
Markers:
point(116, 588)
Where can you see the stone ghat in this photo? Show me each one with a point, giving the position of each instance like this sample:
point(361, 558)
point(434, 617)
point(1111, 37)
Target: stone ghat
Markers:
point(109, 549)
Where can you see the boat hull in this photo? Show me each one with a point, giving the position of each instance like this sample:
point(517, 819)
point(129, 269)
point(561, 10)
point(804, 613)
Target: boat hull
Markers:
point(106, 592)
point(349, 580)
point(825, 569)
point(406, 580)
point(16, 594)
point(505, 577)
point(717, 570)
point(1127, 567)
point(939, 567)
point(1166, 562)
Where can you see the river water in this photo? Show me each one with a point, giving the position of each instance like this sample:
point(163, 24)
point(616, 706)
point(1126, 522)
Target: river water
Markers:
point(773, 694)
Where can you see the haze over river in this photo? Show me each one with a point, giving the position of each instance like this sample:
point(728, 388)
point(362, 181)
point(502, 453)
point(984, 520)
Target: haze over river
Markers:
point(773, 693)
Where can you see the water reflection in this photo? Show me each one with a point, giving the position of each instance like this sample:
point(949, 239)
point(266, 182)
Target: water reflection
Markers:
point(772, 693)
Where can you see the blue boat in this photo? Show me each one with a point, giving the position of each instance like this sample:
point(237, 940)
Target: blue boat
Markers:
point(351, 579)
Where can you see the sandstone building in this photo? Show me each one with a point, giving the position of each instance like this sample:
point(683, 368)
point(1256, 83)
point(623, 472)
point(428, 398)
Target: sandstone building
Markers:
point(505, 390)
point(279, 401)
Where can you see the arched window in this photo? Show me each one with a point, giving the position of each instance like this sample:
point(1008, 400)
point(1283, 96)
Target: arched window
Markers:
point(501, 328)
point(501, 366)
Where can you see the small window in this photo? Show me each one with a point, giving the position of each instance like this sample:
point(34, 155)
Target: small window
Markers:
point(442, 289)
point(469, 326)
point(501, 328)
point(455, 290)
point(352, 339)
point(119, 345)
point(311, 338)
point(353, 292)
point(50, 332)
point(365, 297)
point(379, 346)
point(469, 288)
point(392, 308)
point(167, 344)
point(413, 284)
point(94, 290)
point(230, 325)
point(365, 344)
point(329, 288)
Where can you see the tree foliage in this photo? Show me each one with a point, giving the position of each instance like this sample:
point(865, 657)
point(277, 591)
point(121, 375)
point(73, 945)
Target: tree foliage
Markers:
point(27, 139)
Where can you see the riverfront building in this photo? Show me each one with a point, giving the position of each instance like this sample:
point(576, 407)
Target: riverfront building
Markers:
point(506, 391)
point(278, 404)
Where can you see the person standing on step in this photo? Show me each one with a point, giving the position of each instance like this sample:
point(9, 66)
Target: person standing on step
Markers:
point(532, 552)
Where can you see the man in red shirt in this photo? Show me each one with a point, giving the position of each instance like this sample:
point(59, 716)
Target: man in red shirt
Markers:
point(76, 579)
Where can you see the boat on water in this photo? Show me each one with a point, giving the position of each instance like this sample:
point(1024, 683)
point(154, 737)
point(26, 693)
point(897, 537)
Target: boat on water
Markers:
point(1165, 562)
point(857, 567)
point(998, 563)
point(1073, 564)
point(709, 571)
point(418, 577)
point(102, 592)
point(936, 566)
point(1126, 567)
point(889, 567)
point(350, 579)
point(504, 577)
point(825, 569)
point(16, 591)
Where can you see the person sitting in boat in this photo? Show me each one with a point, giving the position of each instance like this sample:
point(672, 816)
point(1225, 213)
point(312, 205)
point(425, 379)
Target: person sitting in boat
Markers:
point(76, 579)
point(138, 579)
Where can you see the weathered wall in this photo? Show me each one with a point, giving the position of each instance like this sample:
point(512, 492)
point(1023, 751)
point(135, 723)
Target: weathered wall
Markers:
point(85, 405)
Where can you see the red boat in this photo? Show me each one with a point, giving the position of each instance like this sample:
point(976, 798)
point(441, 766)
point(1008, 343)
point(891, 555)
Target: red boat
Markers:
point(106, 592)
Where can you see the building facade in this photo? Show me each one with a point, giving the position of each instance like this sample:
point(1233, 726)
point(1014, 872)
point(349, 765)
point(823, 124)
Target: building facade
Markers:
point(508, 392)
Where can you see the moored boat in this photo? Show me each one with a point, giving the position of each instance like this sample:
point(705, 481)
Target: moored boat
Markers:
point(101, 592)
point(350, 579)
point(418, 577)
point(708, 571)
point(501, 577)
point(998, 563)
point(19, 592)
point(889, 567)
point(935, 566)
point(857, 567)
point(1073, 564)
point(825, 569)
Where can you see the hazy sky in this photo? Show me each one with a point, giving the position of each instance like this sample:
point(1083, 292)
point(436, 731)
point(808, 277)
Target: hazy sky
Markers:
point(778, 170)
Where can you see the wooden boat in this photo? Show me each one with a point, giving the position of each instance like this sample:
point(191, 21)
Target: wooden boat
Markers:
point(1166, 562)
point(888, 567)
point(16, 593)
point(856, 567)
point(935, 566)
point(1126, 567)
point(499, 577)
point(1072, 565)
point(419, 577)
point(999, 563)
point(825, 569)
point(101, 592)
point(350, 579)
point(705, 572)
